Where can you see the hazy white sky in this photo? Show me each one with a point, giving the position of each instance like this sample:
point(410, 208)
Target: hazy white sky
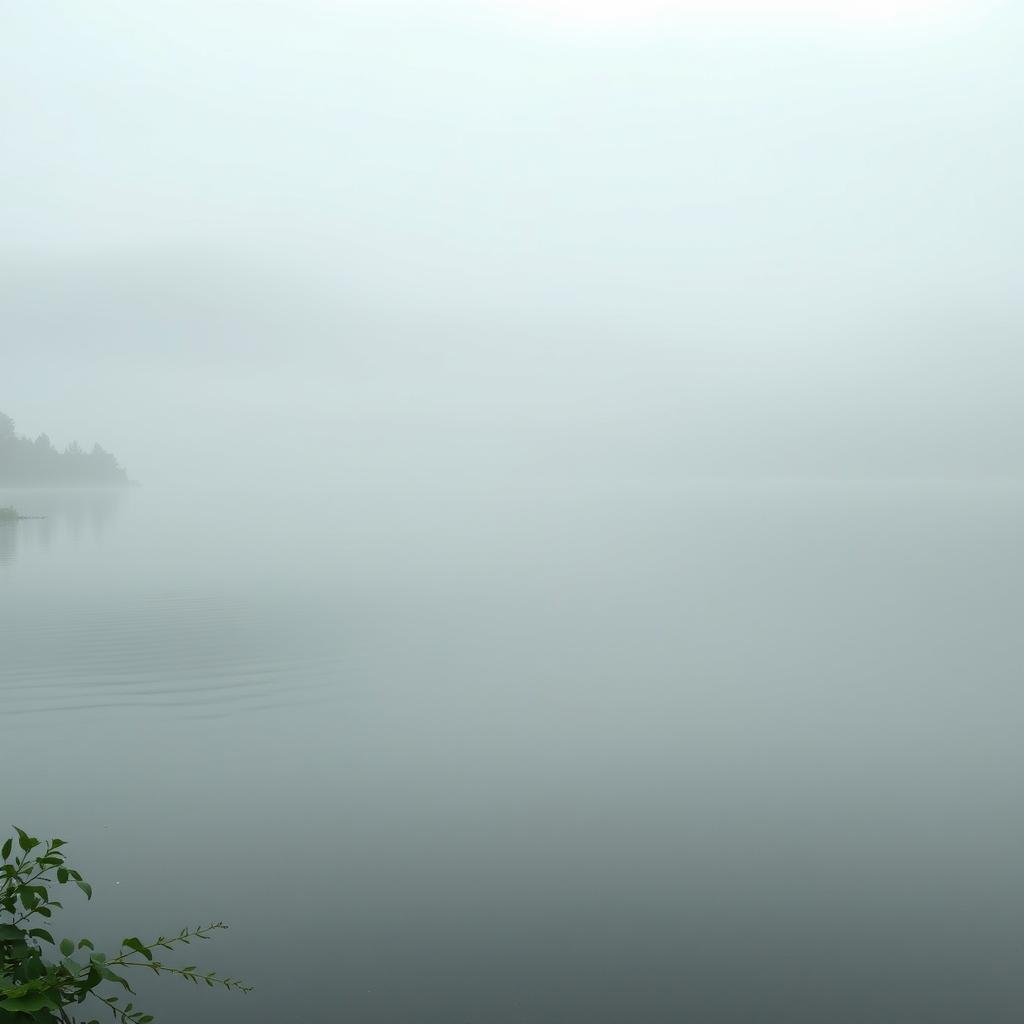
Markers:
point(768, 235)
point(624, 11)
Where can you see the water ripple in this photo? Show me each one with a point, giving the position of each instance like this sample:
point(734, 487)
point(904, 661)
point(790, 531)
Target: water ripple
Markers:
point(195, 654)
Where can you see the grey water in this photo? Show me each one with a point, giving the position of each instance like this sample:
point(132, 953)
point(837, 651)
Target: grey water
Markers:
point(534, 753)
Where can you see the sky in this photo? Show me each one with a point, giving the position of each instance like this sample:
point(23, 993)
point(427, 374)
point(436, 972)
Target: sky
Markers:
point(755, 237)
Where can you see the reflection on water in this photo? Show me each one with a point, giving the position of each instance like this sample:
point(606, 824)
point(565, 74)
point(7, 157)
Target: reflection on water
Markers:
point(8, 542)
point(97, 620)
point(75, 513)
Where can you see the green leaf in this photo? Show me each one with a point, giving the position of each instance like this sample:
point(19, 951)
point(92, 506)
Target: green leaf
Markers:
point(85, 944)
point(85, 887)
point(29, 1003)
point(67, 947)
point(62, 875)
point(7, 847)
point(137, 945)
point(109, 975)
point(41, 933)
point(25, 841)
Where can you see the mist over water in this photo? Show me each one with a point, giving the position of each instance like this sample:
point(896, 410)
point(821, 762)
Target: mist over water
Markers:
point(721, 750)
point(576, 568)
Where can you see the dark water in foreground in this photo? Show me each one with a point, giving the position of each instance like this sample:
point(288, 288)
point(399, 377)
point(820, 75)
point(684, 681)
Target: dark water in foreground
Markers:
point(714, 753)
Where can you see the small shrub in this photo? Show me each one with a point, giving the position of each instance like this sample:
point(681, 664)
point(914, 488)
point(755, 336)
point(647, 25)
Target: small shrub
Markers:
point(38, 986)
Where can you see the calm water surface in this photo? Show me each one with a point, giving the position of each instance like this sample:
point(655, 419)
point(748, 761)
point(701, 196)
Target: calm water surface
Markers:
point(723, 752)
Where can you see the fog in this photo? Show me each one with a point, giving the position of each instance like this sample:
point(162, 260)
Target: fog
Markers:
point(576, 572)
point(366, 237)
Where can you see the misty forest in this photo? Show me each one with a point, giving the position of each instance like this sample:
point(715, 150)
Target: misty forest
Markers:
point(24, 462)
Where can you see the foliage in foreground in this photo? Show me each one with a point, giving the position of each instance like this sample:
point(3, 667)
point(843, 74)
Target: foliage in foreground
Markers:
point(38, 986)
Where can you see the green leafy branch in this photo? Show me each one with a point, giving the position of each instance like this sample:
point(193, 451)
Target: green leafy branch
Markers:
point(38, 989)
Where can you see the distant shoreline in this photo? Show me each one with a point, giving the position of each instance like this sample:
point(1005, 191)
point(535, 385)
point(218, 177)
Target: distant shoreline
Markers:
point(70, 485)
point(24, 461)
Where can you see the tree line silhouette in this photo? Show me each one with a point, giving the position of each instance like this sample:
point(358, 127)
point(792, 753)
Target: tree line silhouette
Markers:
point(24, 461)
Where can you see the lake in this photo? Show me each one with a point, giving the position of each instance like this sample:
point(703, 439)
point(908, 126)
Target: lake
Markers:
point(574, 753)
